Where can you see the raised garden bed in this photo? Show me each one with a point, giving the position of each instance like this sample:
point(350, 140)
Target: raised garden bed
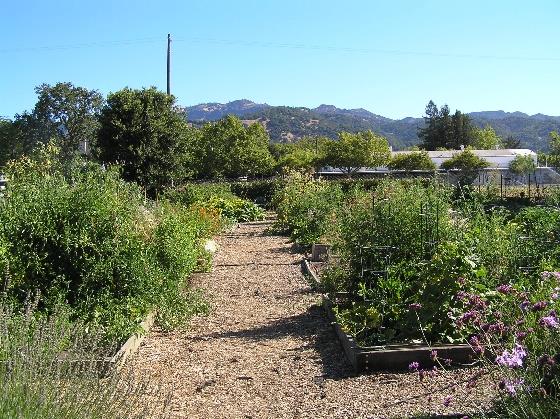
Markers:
point(389, 357)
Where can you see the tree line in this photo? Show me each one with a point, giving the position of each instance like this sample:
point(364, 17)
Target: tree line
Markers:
point(147, 134)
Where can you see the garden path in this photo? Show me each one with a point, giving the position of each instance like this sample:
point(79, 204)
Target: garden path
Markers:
point(266, 349)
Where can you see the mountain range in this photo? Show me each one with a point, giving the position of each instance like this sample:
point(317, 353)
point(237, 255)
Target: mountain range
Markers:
point(286, 124)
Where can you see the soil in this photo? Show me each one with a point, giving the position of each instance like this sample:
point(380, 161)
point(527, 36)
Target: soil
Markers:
point(267, 350)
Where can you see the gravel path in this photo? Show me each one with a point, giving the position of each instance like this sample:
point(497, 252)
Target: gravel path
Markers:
point(267, 350)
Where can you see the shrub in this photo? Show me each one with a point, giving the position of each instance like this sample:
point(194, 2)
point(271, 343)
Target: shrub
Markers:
point(306, 207)
point(86, 237)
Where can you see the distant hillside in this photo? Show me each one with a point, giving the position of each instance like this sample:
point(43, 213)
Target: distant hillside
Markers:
point(286, 124)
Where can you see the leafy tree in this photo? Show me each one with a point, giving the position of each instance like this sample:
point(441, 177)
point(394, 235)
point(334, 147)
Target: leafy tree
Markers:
point(229, 149)
point(511, 142)
point(416, 160)
point(554, 147)
point(486, 139)
point(522, 165)
point(304, 155)
point(443, 130)
point(467, 164)
point(11, 146)
point(352, 151)
point(143, 131)
point(64, 113)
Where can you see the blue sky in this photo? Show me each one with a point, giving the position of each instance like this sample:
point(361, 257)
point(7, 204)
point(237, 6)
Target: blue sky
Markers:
point(388, 57)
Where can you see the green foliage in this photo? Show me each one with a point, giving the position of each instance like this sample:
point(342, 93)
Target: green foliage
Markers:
point(522, 165)
point(236, 209)
point(228, 149)
point(306, 207)
point(486, 139)
point(416, 160)
point(260, 192)
point(88, 238)
point(443, 130)
point(403, 244)
point(144, 132)
point(352, 151)
point(467, 164)
point(216, 197)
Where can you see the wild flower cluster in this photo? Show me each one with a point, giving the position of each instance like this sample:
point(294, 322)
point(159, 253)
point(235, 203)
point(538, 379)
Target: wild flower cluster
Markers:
point(514, 331)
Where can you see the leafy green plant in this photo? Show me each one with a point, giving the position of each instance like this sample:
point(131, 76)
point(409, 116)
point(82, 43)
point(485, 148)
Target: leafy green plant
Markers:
point(80, 234)
point(306, 207)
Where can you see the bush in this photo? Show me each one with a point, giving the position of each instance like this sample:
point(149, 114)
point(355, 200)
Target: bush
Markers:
point(260, 192)
point(218, 197)
point(80, 234)
point(306, 207)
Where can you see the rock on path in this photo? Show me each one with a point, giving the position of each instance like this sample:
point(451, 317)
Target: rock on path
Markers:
point(267, 351)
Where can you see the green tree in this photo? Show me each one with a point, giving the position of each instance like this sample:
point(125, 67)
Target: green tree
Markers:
point(63, 112)
point(229, 149)
point(11, 145)
point(304, 155)
point(416, 160)
point(486, 139)
point(554, 148)
point(443, 130)
point(352, 151)
point(144, 132)
point(522, 165)
point(467, 164)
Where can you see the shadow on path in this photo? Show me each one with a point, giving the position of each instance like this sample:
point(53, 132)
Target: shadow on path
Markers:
point(311, 326)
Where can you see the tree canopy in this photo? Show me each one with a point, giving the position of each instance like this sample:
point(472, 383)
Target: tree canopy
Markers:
point(522, 165)
point(352, 151)
point(229, 149)
point(486, 139)
point(143, 131)
point(443, 130)
point(415, 160)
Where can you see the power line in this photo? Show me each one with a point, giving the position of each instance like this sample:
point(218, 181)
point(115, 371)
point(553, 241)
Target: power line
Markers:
point(280, 45)
point(260, 44)
point(85, 45)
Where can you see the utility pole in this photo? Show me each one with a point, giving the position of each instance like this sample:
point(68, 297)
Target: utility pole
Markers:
point(168, 64)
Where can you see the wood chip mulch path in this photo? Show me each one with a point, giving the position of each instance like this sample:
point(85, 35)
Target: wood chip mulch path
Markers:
point(266, 350)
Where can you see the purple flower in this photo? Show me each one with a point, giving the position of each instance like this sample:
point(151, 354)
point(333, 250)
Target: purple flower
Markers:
point(511, 386)
point(415, 306)
point(525, 305)
point(520, 335)
point(504, 288)
point(413, 366)
point(476, 346)
point(545, 360)
point(461, 281)
point(513, 359)
point(433, 355)
point(548, 275)
point(538, 306)
point(447, 400)
point(549, 322)
point(467, 317)
point(447, 362)
point(498, 328)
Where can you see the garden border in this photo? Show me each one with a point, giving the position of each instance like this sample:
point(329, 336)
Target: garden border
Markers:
point(117, 361)
point(390, 357)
